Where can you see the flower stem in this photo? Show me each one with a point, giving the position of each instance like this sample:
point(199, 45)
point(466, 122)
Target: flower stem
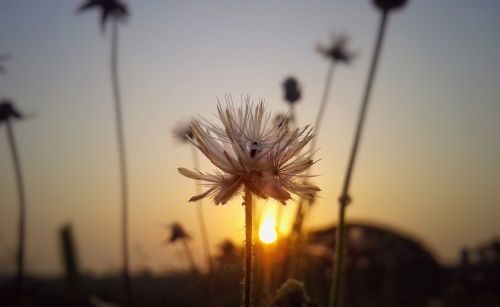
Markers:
point(201, 218)
point(22, 213)
point(344, 199)
point(322, 107)
point(120, 138)
point(247, 202)
point(299, 217)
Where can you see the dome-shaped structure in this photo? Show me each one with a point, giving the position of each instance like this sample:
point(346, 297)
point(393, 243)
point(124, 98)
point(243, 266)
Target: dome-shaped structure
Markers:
point(383, 266)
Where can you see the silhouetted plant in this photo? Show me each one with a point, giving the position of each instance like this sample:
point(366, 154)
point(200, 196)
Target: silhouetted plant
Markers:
point(228, 252)
point(184, 134)
point(115, 11)
point(8, 114)
point(292, 94)
point(336, 53)
point(177, 233)
point(253, 155)
point(385, 6)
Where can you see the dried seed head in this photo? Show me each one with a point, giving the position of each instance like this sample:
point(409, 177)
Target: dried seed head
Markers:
point(178, 233)
point(250, 150)
point(337, 51)
point(387, 5)
point(8, 111)
point(291, 90)
point(109, 9)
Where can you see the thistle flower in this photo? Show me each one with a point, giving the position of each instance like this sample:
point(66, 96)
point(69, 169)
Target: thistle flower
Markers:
point(109, 8)
point(177, 232)
point(337, 51)
point(292, 90)
point(251, 152)
point(386, 5)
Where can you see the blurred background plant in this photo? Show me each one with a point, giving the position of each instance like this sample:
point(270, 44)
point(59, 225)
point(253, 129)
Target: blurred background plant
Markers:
point(183, 134)
point(178, 234)
point(116, 11)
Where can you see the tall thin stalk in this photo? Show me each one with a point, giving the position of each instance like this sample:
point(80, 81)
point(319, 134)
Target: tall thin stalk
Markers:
point(299, 217)
point(247, 202)
point(344, 199)
point(22, 212)
point(200, 215)
point(120, 138)
point(322, 107)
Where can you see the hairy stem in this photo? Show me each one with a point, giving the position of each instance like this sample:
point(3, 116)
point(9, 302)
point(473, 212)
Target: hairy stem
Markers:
point(120, 138)
point(344, 199)
point(247, 202)
point(22, 213)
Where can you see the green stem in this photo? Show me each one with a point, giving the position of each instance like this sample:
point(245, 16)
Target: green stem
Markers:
point(344, 199)
point(120, 138)
point(200, 215)
point(22, 213)
point(247, 202)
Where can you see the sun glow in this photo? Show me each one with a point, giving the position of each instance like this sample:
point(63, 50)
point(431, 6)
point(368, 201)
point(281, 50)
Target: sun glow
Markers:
point(267, 229)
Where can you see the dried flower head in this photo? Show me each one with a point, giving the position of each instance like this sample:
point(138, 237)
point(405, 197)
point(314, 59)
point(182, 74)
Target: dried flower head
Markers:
point(337, 51)
point(8, 111)
point(109, 8)
point(183, 133)
point(178, 233)
point(291, 90)
point(250, 150)
point(386, 5)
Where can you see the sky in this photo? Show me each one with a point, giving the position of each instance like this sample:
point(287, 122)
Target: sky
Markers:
point(428, 163)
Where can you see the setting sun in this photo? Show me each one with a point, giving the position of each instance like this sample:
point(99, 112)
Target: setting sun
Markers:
point(267, 229)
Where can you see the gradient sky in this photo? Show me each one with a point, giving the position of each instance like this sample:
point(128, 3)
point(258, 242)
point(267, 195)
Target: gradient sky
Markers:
point(429, 162)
